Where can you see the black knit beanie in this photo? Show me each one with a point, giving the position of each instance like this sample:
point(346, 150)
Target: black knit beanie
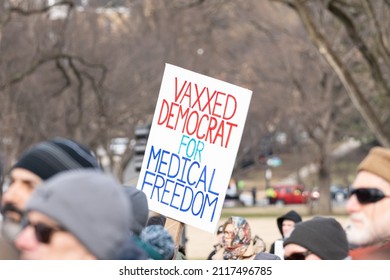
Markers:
point(323, 236)
point(48, 158)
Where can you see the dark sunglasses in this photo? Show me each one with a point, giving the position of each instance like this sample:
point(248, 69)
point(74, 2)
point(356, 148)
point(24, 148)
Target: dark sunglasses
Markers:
point(44, 232)
point(367, 195)
point(298, 256)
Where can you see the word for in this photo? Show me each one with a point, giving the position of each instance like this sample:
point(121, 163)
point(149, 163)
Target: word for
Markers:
point(193, 148)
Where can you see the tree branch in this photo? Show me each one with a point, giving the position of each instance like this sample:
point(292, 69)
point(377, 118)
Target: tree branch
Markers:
point(380, 39)
point(20, 11)
point(66, 77)
point(356, 96)
point(360, 44)
point(20, 76)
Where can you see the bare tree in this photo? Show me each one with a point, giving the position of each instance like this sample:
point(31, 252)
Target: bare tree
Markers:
point(95, 73)
point(365, 33)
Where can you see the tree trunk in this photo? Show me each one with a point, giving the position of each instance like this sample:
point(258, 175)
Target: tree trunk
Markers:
point(324, 205)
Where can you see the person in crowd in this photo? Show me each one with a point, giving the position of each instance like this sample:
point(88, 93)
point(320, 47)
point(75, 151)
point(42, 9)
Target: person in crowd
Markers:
point(158, 219)
point(132, 249)
point(140, 206)
point(368, 206)
point(285, 225)
point(237, 242)
point(270, 194)
point(136, 248)
point(320, 238)
point(38, 163)
point(75, 215)
point(160, 244)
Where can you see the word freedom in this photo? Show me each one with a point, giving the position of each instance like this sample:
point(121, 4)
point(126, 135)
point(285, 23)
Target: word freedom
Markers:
point(180, 183)
point(199, 113)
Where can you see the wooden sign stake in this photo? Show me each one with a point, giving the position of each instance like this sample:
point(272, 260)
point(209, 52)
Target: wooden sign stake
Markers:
point(175, 228)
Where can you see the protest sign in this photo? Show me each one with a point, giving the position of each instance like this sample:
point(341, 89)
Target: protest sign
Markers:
point(192, 146)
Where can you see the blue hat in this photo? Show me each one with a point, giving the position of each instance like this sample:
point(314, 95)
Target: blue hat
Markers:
point(160, 240)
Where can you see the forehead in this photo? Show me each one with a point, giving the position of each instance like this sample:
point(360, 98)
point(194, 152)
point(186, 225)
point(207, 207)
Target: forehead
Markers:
point(24, 175)
point(288, 222)
point(369, 180)
point(229, 226)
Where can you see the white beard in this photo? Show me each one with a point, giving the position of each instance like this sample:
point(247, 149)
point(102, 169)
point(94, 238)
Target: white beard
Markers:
point(362, 233)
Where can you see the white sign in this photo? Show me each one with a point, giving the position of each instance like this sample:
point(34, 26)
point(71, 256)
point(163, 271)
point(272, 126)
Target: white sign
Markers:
point(192, 146)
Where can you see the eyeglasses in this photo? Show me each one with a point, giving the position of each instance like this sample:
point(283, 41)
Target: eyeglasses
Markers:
point(298, 256)
point(44, 232)
point(228, 233)
point(367, 195)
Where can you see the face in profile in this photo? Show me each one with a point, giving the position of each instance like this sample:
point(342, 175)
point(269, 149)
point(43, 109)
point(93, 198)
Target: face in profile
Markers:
point(22, 184)
point(369, 210)
point(44, 239)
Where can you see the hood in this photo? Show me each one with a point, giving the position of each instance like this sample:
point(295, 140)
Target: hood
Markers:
point(290, 215)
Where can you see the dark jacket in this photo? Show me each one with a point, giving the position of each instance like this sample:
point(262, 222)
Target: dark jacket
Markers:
point(249, 254)
point(266, 256)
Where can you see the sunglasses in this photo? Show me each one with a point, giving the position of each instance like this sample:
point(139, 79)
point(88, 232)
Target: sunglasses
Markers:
point(43, 232)
point(367, 195)
point(298, 256)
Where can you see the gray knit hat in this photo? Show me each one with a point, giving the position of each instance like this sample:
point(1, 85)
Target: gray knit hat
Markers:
point(323, 236)
point(139, 203)
point(89, 204)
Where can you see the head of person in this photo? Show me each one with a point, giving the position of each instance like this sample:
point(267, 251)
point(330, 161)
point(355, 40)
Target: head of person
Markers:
point(77, 214)
point(320, 238)
point(369, 202)
point(237, 237)
point(287, 222)
point(39, 163)
point(140, 210)
point(160, 242)
point(138, 219)
point(156, 220)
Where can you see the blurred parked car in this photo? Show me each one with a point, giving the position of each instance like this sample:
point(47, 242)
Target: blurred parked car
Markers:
point(338, 193)
point(287, 194)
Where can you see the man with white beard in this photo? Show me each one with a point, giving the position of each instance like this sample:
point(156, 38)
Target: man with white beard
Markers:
point(369, 207)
